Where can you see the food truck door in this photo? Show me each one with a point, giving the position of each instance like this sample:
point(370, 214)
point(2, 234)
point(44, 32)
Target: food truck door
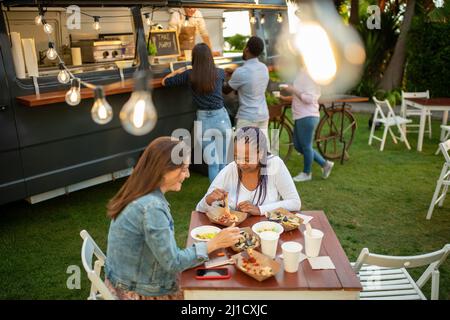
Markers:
point(12, 184)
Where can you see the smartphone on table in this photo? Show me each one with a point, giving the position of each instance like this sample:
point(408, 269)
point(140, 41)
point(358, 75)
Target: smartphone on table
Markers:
point(212, 274)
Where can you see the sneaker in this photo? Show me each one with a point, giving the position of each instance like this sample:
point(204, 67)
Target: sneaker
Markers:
point(326, 170)
point(302, 177)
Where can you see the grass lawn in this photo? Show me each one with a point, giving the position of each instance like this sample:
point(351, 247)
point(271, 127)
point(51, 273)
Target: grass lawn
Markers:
point(376, 199)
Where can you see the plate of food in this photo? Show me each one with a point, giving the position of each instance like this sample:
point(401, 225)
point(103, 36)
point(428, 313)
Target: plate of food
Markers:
point(224, 216)
point(287, 219)
point(249, 240)
point(256, 265)
point(262, 226)
point(204, 233)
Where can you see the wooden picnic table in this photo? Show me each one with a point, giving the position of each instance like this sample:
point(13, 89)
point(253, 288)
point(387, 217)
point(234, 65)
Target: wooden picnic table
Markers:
point(341, 283)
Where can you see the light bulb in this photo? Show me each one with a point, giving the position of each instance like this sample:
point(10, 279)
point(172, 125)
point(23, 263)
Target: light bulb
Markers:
point(263, 19)
point(279, 18)
point(252, 18)
point(51, 52)
point(63, 75)
point(138, 115)
point(73, 96)
point(186, 21)
point(38, 20)
point(101, 111)
point(48, 29)
point(96, 24)
point(148, 21)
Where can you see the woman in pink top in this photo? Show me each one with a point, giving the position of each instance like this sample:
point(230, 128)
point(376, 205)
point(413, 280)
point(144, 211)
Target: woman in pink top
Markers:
point(305, 110)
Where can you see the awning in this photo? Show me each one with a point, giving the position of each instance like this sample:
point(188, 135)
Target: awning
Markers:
point(84, 3)
point(230, 4)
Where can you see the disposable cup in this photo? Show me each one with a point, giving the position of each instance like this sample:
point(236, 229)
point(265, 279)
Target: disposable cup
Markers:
point(269, 243)
point(291, 255)
point(313, 242)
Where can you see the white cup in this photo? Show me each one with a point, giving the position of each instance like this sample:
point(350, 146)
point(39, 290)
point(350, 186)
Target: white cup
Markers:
point(313, 242)
point(276, 94)
point(291, 255)
point(188, 55)
point(269, 243)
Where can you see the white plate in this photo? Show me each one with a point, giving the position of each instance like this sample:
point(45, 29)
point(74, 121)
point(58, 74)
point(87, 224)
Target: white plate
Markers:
point(203, 229)
point(278, 228)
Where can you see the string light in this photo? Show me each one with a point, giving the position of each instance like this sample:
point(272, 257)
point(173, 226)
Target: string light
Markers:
point(186, 21)
point(101, 111)
point(252, 18)
point(279, 17)
point(51, 52)
point(48, 29)
point(39, 17)
point(263, 19)
point(148, 21)
point(63, 75)
point(73, 96)
point(96, 24)
point(138, 115)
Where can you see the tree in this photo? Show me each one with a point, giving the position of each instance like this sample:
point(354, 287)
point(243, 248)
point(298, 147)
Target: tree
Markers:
point(354, 12)
point(393, 75)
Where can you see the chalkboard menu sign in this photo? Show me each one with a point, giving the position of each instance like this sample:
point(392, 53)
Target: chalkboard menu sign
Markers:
point(166, 42)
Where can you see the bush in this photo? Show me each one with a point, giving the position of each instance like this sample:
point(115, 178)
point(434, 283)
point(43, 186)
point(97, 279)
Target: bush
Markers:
point(428, 58)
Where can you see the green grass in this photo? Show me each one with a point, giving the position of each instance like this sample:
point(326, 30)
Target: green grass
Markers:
point(376, 199)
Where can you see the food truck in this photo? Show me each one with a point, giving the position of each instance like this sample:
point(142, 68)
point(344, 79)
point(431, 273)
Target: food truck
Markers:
point(49, 148)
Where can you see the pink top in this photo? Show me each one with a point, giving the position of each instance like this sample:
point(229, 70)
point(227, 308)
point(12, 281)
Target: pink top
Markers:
point(305, 97)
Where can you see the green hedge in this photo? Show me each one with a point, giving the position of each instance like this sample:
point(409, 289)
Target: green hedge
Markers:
point(428, 60)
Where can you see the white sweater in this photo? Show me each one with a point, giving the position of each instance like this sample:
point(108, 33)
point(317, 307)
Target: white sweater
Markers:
point(281, 191)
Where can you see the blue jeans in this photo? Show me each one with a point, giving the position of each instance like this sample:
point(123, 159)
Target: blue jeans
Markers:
point(220, 121)
point(303, 140)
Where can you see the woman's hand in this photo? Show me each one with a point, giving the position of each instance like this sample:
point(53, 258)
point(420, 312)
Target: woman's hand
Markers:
point(216, 195)
point(224, 239)
point(248, 207)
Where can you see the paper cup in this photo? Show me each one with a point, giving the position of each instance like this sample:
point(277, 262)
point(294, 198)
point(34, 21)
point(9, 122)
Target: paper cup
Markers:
point(291, 255)
point(269, 243)
point(313, 242)
point(276, 94)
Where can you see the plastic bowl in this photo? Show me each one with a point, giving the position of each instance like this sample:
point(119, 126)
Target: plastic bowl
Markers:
point(203, 230)
point(267, 226)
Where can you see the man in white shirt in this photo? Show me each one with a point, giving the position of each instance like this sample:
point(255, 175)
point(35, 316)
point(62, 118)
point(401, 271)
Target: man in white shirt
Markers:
point(250, 81)
point(189, 22)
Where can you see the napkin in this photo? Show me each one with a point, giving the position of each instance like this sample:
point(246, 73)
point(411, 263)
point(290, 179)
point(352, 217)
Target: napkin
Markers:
point(306, 219)
point(321, 263)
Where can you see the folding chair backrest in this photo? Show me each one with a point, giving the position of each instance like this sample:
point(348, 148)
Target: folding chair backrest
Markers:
point(445, 146)
point(90, 249)
point(384, 104)
point(422, 94)
point(433, 260)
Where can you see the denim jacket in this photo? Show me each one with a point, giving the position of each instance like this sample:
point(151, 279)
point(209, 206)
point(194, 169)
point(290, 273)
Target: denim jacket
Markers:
point(142, 255)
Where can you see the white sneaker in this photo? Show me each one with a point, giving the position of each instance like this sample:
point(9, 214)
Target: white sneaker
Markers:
point(301, 177)
point(326, 170)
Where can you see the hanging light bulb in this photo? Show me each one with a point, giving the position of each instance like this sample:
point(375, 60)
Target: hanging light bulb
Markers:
point(148, 21)
point(96, 24)
point(319, 41)
point(101, 111)
point(263, 19)
point(63, 75)
point(51, 52)
point(186, 21)
point(73, 96)
point(48, 29)
point(138, 115)
point(253, 18)
point(279, 17)
point(38, 19)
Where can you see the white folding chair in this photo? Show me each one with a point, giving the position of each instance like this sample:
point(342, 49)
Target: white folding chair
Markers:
point(389, 120)
point(89, 249)
point(410, 112)
point(443, 181)
point(445, 133)
point(386, 278)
